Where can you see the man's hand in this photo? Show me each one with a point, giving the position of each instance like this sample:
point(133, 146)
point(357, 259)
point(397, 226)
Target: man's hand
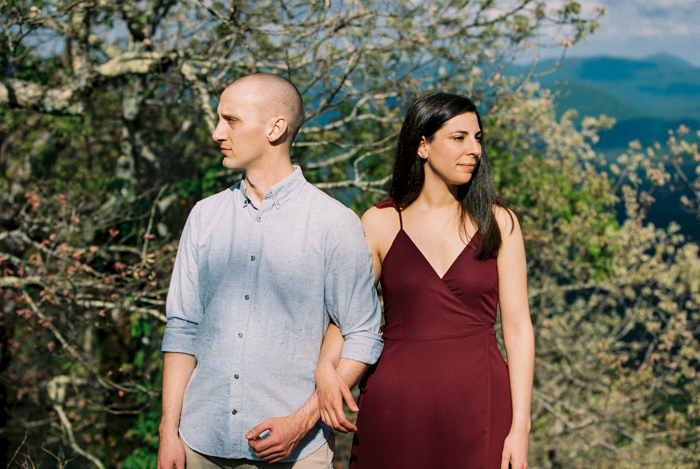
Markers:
point(285, 434)
point(171, 453)
point(177, 369)
point(331, 390)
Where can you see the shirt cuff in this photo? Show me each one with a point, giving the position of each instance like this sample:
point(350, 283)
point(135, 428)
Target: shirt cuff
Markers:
point(364, 347)
point(179, 336)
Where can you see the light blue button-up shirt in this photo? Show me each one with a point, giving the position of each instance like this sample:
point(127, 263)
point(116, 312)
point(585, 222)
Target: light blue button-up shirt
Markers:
point(251, 295)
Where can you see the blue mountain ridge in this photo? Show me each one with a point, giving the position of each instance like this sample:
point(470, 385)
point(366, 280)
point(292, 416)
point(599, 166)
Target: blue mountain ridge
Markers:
point(647, 97)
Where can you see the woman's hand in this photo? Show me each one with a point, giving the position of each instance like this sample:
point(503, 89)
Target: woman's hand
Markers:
point(331, 390)
point(515, 450)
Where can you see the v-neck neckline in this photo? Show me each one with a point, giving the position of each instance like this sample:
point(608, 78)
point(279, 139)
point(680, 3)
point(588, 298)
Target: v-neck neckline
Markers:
point(428, 262)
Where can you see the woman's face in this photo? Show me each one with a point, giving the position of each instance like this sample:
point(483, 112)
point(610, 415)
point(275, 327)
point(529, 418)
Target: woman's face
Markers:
point(454, 151)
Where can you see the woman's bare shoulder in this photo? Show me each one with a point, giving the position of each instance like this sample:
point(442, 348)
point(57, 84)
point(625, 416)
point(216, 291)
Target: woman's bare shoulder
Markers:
point(507, 220)
point(381, 222)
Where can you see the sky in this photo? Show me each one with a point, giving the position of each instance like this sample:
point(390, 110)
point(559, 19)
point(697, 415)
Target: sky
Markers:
point(640, 28)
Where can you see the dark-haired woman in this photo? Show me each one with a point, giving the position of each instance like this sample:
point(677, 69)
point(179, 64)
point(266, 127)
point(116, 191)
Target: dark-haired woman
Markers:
point(447, 255)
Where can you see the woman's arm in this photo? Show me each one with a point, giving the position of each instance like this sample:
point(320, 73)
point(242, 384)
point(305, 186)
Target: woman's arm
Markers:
point(331, 387)
point(518, 336)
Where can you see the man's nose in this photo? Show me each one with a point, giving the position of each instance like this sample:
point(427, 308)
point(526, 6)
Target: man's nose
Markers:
point(217, 135)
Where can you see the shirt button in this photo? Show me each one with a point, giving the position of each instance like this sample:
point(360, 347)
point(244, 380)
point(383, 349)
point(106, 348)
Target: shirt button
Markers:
point(235, 376)
point(247, 297)
point(240, 335)
point(252, 258)
point(278, 203)
point(234, 412)
point(259, 219)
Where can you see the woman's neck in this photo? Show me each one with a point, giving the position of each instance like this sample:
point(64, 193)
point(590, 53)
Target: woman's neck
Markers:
point(437, 196)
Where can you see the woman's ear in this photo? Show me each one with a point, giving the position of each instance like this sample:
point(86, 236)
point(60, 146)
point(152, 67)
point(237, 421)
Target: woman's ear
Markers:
point(423, 149)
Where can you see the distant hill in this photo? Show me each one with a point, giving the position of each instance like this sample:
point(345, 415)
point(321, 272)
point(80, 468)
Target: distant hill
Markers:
point(659, 86)
point(647, 97)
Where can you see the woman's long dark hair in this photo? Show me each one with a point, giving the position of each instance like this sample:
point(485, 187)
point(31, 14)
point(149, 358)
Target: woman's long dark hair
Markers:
point(425, 116)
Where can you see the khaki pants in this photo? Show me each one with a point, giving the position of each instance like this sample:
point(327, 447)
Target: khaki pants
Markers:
point(322, 458)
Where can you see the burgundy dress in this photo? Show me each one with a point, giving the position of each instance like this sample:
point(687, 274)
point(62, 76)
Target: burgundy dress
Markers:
point(440, 394)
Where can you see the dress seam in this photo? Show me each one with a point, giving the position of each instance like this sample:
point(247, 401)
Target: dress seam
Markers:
point(489, 435)
point(417, 339)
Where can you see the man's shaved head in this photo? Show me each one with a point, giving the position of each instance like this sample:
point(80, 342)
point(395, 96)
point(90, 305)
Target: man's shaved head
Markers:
point(274, 96)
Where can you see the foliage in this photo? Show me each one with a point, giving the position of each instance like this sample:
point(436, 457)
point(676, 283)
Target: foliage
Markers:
point(615, 305)
point(105, 121)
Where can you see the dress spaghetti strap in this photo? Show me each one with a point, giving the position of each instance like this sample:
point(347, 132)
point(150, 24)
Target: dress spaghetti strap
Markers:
point(390, 203)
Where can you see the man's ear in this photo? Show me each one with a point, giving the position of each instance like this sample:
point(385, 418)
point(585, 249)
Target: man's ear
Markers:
point(277, 130)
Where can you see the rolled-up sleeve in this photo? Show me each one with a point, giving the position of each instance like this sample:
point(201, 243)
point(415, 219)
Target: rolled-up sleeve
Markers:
point(350, 295)
point(183, 306)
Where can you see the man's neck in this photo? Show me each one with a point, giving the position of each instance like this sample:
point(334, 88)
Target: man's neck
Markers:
point(258, 180)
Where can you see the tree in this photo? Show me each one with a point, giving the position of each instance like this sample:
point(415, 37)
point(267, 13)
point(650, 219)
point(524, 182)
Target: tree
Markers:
point(615, 300)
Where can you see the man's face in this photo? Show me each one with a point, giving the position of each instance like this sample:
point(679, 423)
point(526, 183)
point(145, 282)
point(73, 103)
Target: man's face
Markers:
point(241, 131)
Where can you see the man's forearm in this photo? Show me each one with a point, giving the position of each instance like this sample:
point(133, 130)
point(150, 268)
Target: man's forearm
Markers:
point(307, 416)
point(351, 371)
point(177, 370)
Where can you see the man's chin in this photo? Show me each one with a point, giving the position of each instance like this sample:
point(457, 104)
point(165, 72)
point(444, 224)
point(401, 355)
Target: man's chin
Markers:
point(229, 164)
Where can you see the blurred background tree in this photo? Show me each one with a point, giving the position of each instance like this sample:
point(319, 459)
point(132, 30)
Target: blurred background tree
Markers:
point(107, 110)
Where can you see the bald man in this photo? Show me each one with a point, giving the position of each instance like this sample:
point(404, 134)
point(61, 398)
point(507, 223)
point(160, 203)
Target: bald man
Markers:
point(261, 270)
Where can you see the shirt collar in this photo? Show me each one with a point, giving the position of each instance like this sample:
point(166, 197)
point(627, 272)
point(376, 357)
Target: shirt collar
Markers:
point(280, 192)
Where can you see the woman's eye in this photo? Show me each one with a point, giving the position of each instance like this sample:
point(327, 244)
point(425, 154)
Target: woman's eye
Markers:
point(459, 137)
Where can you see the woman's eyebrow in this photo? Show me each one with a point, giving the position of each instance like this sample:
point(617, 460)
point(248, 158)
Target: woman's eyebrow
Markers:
point(463, 132)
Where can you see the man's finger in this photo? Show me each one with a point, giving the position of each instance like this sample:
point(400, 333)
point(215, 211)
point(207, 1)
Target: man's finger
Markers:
point(275, 451)
point(276, 458)
point(268, 453)
point(260, 445)
point(259, 428)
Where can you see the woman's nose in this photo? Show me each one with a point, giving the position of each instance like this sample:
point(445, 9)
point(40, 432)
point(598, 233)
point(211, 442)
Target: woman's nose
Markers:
point(474, 147)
